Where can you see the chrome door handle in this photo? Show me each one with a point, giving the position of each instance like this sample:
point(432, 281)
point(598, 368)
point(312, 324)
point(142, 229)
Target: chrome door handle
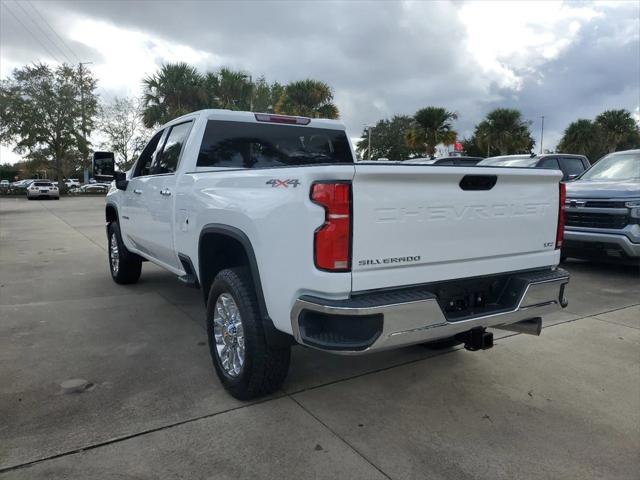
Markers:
point(137, 192)
point(166, 192)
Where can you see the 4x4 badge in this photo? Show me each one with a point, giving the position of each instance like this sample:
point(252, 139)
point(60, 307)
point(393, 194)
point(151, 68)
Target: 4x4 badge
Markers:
point(276, 182)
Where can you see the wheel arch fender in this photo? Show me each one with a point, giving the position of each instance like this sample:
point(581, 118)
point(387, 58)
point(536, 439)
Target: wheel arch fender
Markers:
point(215, 232)
point(111, 212)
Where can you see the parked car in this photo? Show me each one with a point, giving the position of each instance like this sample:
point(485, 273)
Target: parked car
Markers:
point(21, 185)
point(43, 189)
point(570, 165)
point(72, 183)
point(95, 188)
point(5, 184)
point(603, 210)
point(462, 160)
point(292, 241)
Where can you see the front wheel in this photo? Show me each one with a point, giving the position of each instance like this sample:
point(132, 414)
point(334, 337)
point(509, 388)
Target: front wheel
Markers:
point(124, 265)
point(246, 364)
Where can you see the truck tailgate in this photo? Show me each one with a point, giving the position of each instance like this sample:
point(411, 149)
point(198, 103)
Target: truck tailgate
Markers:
point(416, 224)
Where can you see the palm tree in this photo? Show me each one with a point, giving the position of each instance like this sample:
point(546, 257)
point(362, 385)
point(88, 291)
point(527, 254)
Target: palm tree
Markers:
point(176, 89)
point(234, 89)
point(307, 98)
point(583, 137)
point(432, 126)
point(505, 130)
point(616, 125)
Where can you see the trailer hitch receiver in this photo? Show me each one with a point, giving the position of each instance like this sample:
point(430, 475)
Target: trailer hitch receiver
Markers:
point(476, 339)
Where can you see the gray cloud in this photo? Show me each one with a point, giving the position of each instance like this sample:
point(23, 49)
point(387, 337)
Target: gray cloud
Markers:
point(381, 58)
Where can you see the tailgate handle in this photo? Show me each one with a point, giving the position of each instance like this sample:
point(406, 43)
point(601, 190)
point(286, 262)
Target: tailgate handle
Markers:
point(478, 182)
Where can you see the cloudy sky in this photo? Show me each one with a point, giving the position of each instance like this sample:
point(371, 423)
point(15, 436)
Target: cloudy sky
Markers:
point(563, 60)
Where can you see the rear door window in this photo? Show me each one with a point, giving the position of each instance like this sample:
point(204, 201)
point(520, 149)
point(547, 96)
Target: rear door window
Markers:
point(260, 145)
point(166, 160)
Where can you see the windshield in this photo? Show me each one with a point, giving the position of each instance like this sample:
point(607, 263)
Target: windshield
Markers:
point(258, 145)
point(510, 161)
point(42, 184)
point(616, 166)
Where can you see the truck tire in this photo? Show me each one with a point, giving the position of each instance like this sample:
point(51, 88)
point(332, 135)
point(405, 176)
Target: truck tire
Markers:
point(125, 266)
point(246, 364)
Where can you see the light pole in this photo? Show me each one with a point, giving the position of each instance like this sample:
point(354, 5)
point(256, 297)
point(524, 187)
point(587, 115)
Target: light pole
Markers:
point(85, 151)
point(368, 127)
point(541, 133)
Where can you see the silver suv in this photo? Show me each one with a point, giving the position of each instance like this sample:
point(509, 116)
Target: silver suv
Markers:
point(603, 210)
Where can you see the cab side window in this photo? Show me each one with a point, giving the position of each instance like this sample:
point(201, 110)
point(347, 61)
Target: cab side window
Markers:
point(143, 165)
point(166, 160)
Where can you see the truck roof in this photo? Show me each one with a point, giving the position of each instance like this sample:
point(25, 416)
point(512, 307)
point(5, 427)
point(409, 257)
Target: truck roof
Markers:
point(242, 116)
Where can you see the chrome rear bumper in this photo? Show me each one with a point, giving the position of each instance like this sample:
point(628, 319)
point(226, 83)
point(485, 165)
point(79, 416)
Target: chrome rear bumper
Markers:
point(414, 316)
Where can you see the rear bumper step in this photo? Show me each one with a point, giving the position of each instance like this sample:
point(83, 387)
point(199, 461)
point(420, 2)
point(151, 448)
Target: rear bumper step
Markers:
point(388, 319)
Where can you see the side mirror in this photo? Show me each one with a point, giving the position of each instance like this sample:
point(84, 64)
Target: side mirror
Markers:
point(104, 166)
point(121, 180)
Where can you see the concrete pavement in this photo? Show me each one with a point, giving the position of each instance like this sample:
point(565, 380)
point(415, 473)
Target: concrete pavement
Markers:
point(565, 405)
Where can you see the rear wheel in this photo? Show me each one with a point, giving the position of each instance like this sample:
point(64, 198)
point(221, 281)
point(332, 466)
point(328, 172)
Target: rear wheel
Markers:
point(124, 265)
point(246, 364)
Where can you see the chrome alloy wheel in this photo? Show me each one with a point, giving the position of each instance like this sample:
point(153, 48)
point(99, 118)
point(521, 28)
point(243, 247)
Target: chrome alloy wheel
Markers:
point(114, 254)
point(228, 335)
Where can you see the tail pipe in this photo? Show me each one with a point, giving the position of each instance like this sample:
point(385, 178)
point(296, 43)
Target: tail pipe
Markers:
point(531, 326)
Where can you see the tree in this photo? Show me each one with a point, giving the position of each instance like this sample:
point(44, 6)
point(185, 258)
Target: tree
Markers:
point(583, 137)
point(46, 113)
point(470, 147)
point(266, 96)
point(388, 139)
point(125, 134)
point(9, 172)
point(307, 98)
point(432, 126)
point(616, 126)
point(504, 129)
point(175, 90)
point(234, 90)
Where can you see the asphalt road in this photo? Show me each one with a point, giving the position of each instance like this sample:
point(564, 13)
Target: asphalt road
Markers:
point(564, 405)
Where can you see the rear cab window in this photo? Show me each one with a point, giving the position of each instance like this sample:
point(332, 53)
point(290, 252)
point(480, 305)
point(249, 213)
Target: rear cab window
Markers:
point(259, 145)
point(550, 163)
point(572, 166)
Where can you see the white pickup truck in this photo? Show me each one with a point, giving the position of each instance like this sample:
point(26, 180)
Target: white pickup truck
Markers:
point(291, 241)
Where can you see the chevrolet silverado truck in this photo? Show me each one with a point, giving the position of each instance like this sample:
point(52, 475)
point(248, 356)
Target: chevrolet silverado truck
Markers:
point(603, 211)
point(293, 242)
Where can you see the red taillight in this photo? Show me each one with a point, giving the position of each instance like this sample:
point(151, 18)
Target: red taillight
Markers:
point(561, 207)
point(332, 243)
point(266, 117)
